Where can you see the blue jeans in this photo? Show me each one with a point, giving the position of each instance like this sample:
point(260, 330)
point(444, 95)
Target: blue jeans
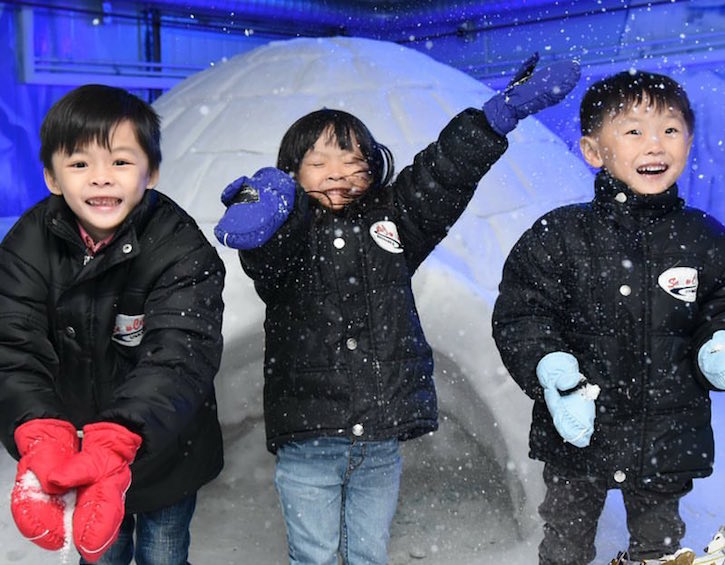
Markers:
point(162, 537)
point(338, 497)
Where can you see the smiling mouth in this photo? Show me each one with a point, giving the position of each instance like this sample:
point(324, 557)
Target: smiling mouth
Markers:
point(345, 193)
point(652, 169)
point(103, 202)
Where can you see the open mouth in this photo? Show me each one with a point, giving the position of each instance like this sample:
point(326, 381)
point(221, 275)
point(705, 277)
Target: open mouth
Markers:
point(345, 193)
point(652, 169)
point(103, 202)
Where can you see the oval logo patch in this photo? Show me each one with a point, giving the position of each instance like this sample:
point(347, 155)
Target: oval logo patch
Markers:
point(680, 282)
point(385, 234)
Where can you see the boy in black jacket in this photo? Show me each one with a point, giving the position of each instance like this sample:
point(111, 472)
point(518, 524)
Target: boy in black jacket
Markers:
point(608, 317)
point(110, 298)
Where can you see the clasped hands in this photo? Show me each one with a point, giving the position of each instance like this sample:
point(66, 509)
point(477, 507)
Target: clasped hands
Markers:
point(53, 465)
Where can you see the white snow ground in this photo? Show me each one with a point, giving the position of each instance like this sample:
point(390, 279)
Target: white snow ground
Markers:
point(469, 492)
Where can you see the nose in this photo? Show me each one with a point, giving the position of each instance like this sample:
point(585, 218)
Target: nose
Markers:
point(101, 175)
point(335, 174)
point(654, 144)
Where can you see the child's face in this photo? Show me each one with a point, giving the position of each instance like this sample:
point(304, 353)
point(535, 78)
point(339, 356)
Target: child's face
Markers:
point(644, 146)
point(333, 176)
point(102, 186)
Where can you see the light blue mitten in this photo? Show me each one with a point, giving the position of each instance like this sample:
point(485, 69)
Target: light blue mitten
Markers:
point(256, 208)
point(711, 359)
point(559, 370)
point(573, 413)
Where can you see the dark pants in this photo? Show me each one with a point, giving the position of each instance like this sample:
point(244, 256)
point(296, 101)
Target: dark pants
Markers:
point(572, 507)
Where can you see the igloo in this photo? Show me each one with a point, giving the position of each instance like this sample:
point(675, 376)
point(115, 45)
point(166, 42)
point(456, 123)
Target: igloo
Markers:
point(229, 119)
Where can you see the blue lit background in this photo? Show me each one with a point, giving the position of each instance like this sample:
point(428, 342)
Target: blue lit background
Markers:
point(47, 48)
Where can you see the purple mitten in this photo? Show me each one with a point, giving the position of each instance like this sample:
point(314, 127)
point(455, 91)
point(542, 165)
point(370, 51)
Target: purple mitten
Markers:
point(530, 92)
point(256, 208)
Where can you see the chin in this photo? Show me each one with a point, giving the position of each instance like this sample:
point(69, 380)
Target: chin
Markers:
point(649, 190)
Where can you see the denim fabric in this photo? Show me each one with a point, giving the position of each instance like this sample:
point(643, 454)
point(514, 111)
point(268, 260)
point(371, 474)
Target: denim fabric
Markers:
point(572, 507)
point(338, 497)
point(162, 537)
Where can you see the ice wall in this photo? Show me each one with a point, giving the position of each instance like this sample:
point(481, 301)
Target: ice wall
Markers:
point(228, 120)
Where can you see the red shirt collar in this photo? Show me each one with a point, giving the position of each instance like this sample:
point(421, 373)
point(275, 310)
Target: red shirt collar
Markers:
point(91, 245)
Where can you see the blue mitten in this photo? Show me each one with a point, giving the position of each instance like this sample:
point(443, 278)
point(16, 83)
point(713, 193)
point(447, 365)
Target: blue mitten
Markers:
point(711, 359)
point(530, 92)
point(558, 370)
point(256, 208)
point(573, 413)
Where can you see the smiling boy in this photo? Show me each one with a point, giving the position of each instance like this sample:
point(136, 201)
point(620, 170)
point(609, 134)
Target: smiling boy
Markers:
point(110, 298)
point(602, 312)
point(103, 183)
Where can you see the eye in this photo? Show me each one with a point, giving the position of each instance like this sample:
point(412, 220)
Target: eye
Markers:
point(672, 131)
point(633, 132)
point(77, 165)
point(121, 162)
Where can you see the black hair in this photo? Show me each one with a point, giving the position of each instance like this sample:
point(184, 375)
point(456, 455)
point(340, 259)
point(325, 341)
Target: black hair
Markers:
point(620, 92)
point(89, 113)
point(302, 135)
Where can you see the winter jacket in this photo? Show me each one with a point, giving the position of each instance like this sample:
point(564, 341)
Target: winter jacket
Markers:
point(131, 336)
point(345, 352)
point(631, 285)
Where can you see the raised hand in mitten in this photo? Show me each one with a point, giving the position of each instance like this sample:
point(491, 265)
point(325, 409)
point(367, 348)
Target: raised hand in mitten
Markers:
point(101, 473)
point(256, 208)
point(530, 92)
point(38, 506)
point(711, 359)
point(573, 412)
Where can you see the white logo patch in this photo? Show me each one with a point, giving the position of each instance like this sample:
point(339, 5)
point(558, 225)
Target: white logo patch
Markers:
point(680, 282)
point(128, 330)
point(385, 234)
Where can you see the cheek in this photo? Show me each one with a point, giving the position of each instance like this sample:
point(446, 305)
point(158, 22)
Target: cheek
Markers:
point(303, 178)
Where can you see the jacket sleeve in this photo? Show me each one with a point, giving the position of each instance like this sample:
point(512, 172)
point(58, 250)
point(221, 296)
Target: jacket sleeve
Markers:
point(270, 264)
point(433, 192)
point(530, 307)
point(172, 380)
point(28, 361)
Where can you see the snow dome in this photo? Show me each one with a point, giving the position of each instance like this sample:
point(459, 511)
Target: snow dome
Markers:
point(228, 120)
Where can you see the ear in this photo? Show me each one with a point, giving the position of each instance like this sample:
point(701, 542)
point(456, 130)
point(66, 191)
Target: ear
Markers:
point(590, 150)
point(153, 180)
point(51, 183)
point(689, 143)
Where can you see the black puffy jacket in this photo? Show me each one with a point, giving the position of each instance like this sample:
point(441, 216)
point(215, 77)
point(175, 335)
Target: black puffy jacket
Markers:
point(68, 348)
point(631, 285)
point(345, 352)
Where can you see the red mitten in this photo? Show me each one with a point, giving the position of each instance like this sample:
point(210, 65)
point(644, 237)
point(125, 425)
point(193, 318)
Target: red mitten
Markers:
point(102, 475)
point(36, 505)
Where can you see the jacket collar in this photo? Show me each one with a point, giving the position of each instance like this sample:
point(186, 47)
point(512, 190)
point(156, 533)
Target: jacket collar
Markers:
point(622, 202)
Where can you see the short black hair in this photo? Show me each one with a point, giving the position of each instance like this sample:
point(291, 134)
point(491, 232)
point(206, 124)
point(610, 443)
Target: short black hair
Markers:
point(89, 113)
point(302, 135)
point(620, 92)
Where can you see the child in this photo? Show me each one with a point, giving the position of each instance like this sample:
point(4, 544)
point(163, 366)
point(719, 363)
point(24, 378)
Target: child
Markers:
point(348, 371)
point(625, 294)
point(111, 305)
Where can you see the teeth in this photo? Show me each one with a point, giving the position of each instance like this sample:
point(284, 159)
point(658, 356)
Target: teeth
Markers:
point(652, 169)
point(103, 201)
